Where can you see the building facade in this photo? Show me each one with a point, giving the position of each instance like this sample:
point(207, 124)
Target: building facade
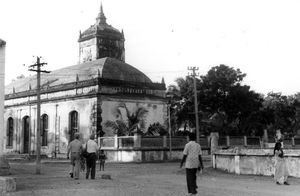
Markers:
point(80, 98)
point(2, 74)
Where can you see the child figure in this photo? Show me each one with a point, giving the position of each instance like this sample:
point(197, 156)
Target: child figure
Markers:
point(102, 158)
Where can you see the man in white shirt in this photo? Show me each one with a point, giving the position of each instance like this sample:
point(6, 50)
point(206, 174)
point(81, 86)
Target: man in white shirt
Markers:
point(75, 148)
point(193, 162)
point(92, 149)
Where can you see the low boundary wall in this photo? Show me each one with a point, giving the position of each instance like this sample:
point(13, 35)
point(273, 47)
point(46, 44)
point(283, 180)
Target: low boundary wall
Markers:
point(255, 161)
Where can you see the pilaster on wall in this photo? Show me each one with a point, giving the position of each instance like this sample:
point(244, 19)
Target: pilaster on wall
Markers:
point(116, 144)
point(237, 164)
point(214, 165)
point(136, 141)
point(99, 129)
point(93, 118)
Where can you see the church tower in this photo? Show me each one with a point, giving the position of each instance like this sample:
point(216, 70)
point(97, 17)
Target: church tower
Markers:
point(101, 40)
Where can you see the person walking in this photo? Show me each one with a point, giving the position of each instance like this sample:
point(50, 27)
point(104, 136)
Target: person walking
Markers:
point(75, 149)
point(281, 171)
point(92, 149)
point(193, 162)
point(102, 158)
point(279, 137)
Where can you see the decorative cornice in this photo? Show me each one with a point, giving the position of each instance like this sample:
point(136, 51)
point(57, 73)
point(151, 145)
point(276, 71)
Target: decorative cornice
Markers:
point(66, 97)
point(107, 34)
point(92, 94)
point(87, 83)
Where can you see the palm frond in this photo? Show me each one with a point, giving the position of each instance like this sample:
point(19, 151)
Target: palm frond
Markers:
point(122, 127)
point(142, 124)
point(119, 113)
point(134, 123)
point(111, 124)
point(127, 112)
point(121, 124)
point(141, 112)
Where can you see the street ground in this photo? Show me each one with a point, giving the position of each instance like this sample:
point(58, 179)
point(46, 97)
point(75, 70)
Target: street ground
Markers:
point(142, 179)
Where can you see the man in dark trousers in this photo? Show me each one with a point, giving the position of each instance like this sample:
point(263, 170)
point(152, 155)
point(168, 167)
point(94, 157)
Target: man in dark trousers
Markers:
point(75, 148)
point(92, 149)
point(193, 162)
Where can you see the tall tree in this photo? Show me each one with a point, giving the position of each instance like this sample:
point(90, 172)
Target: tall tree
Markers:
point(181, 102)
point(217, 85)
point(221, 94)
point(283, 110)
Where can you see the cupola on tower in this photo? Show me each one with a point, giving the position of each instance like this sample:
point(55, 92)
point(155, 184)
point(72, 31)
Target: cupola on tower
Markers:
point(101, 40)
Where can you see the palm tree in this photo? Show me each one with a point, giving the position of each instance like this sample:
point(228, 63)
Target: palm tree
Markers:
point(156, 129)
point(133, 123)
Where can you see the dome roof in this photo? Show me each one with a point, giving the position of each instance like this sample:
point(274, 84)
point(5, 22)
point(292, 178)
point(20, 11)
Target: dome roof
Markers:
point(107, 68)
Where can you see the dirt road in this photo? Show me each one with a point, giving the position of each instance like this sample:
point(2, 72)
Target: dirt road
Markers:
point(157, 179)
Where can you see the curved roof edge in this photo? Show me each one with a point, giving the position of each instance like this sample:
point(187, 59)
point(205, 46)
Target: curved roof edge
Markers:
point(106, 68)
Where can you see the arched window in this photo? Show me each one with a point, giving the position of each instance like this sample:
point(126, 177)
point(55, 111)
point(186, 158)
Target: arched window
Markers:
point(73, 122)
point(44, 129)
point(26, 134)
point(10, 131)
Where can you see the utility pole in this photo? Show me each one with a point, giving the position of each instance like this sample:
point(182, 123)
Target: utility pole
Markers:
point(194, 74)
point(38, 65)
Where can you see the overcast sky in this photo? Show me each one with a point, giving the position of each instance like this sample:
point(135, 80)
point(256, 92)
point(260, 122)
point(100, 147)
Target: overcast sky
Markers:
point(164, 37)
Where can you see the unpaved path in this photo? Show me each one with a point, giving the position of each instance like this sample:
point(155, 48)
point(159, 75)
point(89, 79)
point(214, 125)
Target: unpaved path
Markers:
point(157, 179)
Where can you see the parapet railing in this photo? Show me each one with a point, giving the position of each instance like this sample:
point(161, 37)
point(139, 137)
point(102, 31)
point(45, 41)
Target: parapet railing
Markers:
point(148, 142)
point(178, 142)
point(228, 141)
point(255, 141)
point(127, 142)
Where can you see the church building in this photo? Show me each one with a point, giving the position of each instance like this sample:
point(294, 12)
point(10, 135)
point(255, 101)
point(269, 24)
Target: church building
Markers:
point(81, 97)
point(2, 74)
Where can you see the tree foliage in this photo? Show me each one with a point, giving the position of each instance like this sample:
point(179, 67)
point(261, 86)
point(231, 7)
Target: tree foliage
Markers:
point(179, 104)
point(221, 94)
point(228, 106)
point(156, 129)
point(282, 111)
point(133, 122)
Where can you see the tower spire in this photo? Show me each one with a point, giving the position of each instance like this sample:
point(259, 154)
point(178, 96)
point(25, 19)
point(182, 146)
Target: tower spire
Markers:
point(101, 8)
point(101, 19)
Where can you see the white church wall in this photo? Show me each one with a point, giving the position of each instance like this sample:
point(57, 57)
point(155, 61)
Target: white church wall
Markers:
point(58, 122)
point(83, 107)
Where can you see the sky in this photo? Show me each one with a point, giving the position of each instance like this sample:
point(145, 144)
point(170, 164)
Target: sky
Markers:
point(163, 37)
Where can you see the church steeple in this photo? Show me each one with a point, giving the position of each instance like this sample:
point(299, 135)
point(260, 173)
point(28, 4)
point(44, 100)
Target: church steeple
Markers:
point(101, 19)
point(101, 40)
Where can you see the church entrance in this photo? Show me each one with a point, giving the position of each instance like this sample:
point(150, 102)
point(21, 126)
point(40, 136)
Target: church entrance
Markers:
point(73, 124)
point(26, 131)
